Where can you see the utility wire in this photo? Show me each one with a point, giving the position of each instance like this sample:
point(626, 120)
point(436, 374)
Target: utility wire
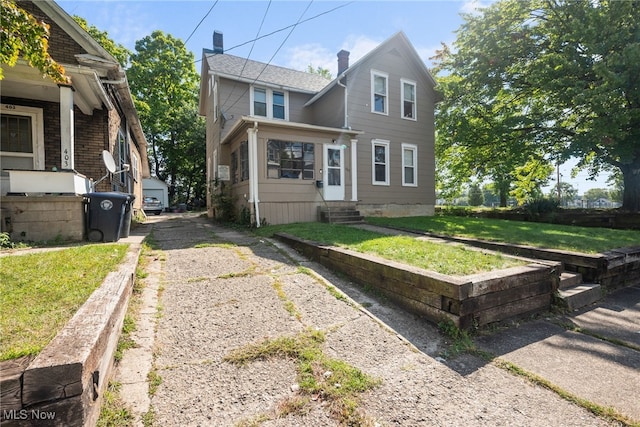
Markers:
point(199, 23)
point(293, 27)
point(235, 83)
point(281, 29)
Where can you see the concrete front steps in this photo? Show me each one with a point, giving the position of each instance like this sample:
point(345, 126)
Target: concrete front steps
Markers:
point(341, 215)
point(574, 294)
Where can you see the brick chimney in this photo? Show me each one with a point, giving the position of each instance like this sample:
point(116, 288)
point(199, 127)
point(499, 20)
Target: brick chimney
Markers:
point(343, 61)
point(218, 44)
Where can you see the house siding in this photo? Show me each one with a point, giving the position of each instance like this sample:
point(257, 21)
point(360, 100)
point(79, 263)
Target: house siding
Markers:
point(394, 129)
point(289, 200)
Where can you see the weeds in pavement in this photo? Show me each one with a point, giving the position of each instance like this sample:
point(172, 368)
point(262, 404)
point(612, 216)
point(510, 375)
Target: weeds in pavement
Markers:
point(320, 377)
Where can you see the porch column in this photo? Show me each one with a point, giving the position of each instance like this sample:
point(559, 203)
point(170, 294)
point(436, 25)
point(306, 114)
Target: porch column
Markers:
point(67, 142)
point(354, 170)
point(253, 170)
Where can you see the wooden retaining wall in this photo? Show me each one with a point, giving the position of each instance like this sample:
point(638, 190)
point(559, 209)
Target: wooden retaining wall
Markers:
point(468, 301)
point(63, 385)
point(614, 269)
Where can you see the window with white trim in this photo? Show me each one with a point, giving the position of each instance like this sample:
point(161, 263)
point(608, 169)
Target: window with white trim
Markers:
point(409, 165)
point(21, 137)
point(269, 103)
point(134, 166)
point(379, 92)
point(408, 107)
point(380, 162)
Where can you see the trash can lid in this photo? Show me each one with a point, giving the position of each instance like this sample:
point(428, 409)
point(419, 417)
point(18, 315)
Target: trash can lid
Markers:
point(110, 195)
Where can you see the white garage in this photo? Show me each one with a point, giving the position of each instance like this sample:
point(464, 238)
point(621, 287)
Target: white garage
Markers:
point(154, 187)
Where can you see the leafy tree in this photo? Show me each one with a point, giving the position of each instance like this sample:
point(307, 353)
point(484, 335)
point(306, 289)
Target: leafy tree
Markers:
point(568, 193)
point(319, 70)
point(23, 35)
point(617, 187)
point(476, 198)
point(165, 83)
point(547, 80)
point(118, 51)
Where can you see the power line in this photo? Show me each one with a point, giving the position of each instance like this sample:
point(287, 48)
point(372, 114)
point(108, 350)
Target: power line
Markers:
point(293, 27)
point(235, 83)
point(199, 23)
point(282, 29)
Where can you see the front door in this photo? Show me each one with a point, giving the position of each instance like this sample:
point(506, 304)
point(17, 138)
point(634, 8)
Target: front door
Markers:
point(333, 177)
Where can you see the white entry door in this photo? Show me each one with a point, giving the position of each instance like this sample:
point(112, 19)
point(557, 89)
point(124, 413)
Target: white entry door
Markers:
point(333, 176)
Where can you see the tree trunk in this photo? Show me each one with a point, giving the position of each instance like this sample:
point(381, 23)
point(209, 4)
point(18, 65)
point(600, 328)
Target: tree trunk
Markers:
point(631, 179)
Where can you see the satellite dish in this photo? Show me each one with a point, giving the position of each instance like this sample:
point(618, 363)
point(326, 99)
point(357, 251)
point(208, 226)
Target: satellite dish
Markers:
point(107, 158)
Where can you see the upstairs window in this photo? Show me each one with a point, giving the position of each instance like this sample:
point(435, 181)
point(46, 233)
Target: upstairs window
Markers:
point(269, 103)
point(408, 106)
point(379, 92)
point(294, 160)
point(278, 105)
point(259, 102)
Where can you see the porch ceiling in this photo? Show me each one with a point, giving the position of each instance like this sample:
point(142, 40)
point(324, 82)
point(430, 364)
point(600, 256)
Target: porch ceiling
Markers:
point(23, 81)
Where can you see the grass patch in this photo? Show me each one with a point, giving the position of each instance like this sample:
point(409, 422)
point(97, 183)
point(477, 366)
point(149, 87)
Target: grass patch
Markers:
point(449, 259)
point(113, 412)
point(155, 380)
point(40, 292)
point(542, 235)
point(223, 245)
point(332, 381)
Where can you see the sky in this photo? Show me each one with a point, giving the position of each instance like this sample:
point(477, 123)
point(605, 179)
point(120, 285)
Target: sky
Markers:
point(292, 33)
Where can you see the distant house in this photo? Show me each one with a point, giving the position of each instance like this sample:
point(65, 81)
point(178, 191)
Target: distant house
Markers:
point(289, 144)
point(53, 135)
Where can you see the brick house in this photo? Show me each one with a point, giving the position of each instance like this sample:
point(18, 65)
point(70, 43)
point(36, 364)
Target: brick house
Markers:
point(53, 136)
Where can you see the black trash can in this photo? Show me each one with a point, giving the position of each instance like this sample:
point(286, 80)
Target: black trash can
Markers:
point(126, 219)
point(105, 215)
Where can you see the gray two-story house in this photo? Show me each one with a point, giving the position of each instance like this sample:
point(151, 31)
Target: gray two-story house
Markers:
point(288, 144)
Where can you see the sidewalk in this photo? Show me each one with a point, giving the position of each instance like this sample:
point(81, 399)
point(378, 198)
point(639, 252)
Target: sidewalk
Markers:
point(223, 289)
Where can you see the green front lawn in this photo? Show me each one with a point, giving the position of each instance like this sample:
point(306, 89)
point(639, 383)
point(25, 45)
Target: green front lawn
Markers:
point(542, 235)
point(40, 292)
point(452, 259)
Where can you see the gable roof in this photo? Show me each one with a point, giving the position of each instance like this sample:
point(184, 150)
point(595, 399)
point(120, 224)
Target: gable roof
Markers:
point(400, 37)
point(105, 66)
point(246, 70)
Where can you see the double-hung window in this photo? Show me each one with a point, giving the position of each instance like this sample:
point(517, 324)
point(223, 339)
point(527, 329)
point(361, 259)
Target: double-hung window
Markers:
point(379, 92)
point(409, 165)
point(21, 137)
point(380, 162)
point(408, 107)
point(269, 103)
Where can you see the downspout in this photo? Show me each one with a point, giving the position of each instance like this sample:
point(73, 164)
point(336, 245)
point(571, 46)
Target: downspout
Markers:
point(346, 99)
point(253, 170)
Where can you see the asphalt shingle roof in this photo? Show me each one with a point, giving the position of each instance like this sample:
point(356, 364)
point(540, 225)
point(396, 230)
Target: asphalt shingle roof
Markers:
point(231, 65)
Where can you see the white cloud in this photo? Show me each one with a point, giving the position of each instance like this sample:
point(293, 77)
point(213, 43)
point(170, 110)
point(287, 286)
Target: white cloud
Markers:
point(314, 54)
